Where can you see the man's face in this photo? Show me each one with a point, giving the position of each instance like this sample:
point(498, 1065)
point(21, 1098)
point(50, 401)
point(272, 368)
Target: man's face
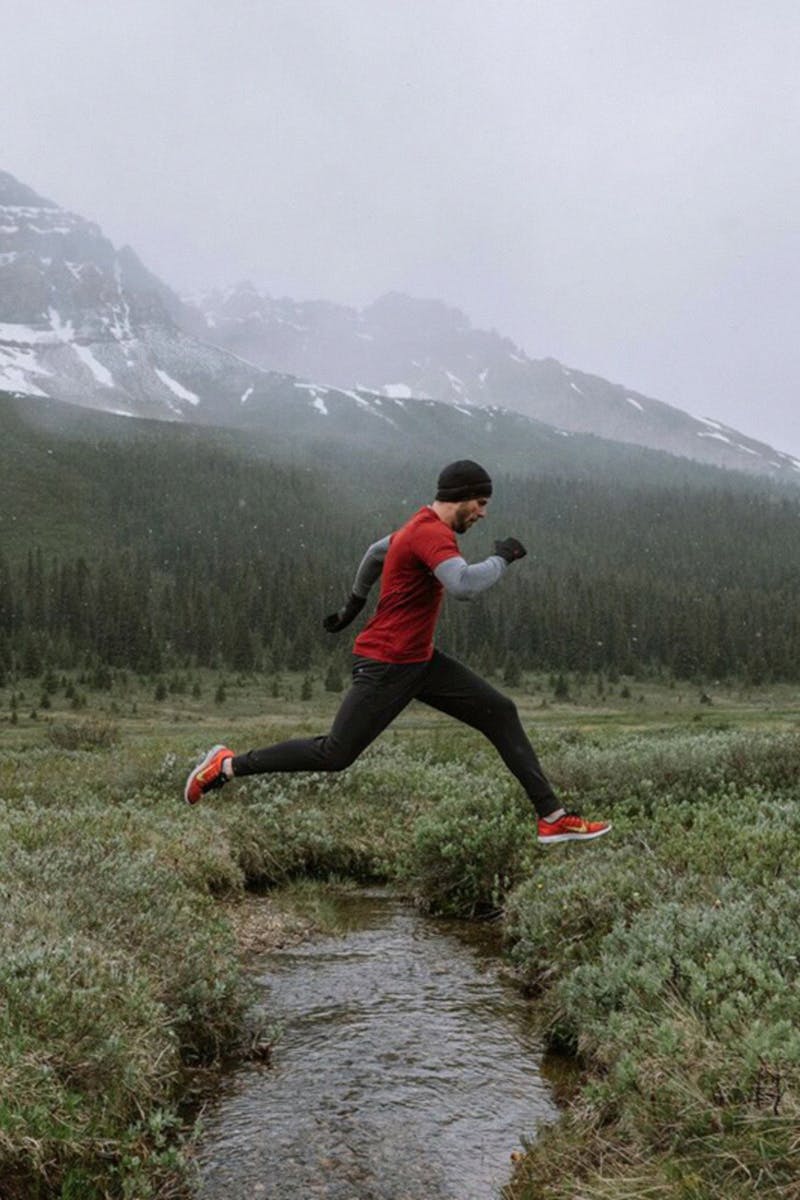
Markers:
point(468, 512)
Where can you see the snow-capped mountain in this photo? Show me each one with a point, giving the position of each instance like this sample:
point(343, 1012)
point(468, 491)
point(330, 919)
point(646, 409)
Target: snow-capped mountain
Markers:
point(400, 347)
point(83, 322)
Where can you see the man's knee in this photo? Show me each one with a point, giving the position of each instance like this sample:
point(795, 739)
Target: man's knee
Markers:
point(497, 715)
point(504, 708)
point(336, 757)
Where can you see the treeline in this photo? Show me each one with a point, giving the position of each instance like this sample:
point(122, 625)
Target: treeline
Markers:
point(701, 582)
point(207, 557)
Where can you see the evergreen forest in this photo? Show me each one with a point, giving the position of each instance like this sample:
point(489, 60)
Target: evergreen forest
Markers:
point(150, 547)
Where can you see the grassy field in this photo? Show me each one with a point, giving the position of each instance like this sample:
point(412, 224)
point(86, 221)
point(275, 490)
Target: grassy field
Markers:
point(665, 958)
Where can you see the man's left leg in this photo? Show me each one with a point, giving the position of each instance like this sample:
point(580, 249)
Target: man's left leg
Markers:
point(379, 692)
point(454, 689)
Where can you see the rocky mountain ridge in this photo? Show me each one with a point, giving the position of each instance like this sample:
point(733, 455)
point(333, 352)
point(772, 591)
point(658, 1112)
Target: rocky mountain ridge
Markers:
point(85, 323)
point(400, 347)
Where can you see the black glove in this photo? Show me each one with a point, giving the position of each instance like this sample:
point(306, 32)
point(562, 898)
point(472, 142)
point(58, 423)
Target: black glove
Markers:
point(350, 609)
point(510, 549)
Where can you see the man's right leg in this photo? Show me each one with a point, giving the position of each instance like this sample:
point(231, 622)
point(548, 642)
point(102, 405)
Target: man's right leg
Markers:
point(456, 690)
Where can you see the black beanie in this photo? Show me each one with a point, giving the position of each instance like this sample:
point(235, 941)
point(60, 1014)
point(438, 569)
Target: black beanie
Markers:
point(463, 480)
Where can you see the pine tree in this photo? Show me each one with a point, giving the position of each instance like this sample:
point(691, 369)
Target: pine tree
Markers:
point(512, 673)
point(333, 678)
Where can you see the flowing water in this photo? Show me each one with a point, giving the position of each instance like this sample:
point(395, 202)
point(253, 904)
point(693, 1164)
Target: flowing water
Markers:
point(407, 1069)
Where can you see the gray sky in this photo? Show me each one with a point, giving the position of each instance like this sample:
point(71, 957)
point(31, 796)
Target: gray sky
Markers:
point(615, 183)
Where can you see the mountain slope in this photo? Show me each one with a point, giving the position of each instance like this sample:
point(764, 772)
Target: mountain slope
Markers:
point(401, 348)
point(82, 322)
point(88, 325)
point(50, 500)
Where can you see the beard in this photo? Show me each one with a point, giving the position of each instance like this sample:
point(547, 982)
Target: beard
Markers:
point(461, 522)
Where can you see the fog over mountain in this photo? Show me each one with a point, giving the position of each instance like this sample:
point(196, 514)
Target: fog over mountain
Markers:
point(85, 323)
point(402, 347)
point(610, 185)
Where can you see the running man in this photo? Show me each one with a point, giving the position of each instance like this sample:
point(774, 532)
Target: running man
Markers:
point(395, 660)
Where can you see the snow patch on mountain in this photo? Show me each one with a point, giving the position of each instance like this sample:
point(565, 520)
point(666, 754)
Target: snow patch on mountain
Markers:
point(25, 335)
point(397, 391)
point(177, 388)
point(63, 330)
point(16, 368)
point(720, 437)
point(101, 373)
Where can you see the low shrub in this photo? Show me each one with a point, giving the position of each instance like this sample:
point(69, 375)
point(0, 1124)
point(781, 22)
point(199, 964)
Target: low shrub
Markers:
point(117, 973)
point(468, 850)
point(640, 773)
point(664, 954)
point(95, 733)
point(667, 959)
point(555, 919)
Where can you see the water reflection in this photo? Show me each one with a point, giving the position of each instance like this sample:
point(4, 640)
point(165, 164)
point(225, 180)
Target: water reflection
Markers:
point(407, 1070)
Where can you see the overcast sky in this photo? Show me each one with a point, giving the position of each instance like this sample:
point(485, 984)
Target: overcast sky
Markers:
point(614, 183)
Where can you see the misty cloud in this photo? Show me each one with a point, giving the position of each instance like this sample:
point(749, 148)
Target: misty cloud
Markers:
point(612, 184)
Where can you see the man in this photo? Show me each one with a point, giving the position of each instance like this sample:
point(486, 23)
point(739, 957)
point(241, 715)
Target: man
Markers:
point(396, 662)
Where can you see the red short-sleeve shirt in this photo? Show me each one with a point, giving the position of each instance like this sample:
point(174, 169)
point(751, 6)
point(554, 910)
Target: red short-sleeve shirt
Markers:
point(401, 631)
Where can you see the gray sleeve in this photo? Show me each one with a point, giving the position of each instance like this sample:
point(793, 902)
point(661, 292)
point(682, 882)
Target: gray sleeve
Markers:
point(464, 580)
point(370, 567)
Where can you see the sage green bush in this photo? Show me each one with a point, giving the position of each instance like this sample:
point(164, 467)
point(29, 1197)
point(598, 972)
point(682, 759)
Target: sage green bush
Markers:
point(666, 955)
point(468, 850)
point(641, 773)
point(668, 959)
point(116, 971)
point(93, 733)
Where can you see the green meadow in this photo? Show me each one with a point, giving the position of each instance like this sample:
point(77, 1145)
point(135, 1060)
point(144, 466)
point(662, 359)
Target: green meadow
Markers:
point(664, 959)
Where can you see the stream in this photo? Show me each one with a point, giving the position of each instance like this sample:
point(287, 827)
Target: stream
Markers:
point(407, 1068)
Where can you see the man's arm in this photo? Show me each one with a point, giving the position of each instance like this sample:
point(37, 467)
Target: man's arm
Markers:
point(465, 580)
point(369, 569)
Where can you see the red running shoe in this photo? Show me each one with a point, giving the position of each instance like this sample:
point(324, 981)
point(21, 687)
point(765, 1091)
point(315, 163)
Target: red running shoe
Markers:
point(570, 828)
point(207, 775)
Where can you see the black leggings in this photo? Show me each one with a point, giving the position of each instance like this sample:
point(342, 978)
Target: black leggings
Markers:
point(379, 692)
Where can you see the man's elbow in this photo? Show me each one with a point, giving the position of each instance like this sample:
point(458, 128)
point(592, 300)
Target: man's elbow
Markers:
point(460, 591)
